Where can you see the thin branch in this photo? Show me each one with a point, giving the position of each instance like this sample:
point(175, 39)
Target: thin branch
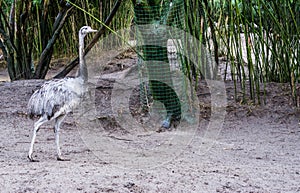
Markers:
point(211, 23)
point(4, 18)
point(7, 40)
point(12, 21)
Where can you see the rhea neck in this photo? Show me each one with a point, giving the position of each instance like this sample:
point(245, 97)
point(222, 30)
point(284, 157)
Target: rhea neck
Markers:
point(83, 72)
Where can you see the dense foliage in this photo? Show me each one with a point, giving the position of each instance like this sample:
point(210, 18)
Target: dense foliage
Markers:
point(259, 39)
point(32, 32)
point(272, 29)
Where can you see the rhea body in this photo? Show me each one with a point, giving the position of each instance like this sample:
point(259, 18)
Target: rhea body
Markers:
point(58, 97)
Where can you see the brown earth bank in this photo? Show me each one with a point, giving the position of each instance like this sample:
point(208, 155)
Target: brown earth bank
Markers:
point(254, 149)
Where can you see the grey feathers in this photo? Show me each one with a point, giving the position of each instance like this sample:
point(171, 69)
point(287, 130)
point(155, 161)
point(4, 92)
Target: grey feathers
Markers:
point(56, 95)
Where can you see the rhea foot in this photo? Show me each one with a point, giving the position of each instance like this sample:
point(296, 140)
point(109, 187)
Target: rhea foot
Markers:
point(59, 158)
point(31, 159)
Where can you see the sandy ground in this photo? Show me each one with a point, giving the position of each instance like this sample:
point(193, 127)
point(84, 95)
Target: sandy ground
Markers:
point(256, 149)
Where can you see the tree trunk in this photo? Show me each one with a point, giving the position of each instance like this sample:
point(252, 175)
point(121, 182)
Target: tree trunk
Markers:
point(45, 58)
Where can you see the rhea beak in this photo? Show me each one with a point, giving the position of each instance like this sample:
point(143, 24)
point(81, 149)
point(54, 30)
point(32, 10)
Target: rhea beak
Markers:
point(92, 30)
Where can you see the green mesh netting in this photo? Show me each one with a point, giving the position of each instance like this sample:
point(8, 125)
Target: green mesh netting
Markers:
point(159, 34)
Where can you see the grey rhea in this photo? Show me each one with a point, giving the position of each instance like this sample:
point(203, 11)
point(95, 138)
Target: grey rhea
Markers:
point(56, 98)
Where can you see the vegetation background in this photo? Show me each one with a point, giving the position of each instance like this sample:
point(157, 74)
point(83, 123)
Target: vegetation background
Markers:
point(34, 32)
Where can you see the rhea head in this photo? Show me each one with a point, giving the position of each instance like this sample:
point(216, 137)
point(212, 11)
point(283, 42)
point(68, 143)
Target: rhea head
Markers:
point(85, 30)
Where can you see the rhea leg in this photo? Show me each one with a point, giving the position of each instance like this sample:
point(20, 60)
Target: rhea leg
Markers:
point(58, 122)
point(37, 125)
